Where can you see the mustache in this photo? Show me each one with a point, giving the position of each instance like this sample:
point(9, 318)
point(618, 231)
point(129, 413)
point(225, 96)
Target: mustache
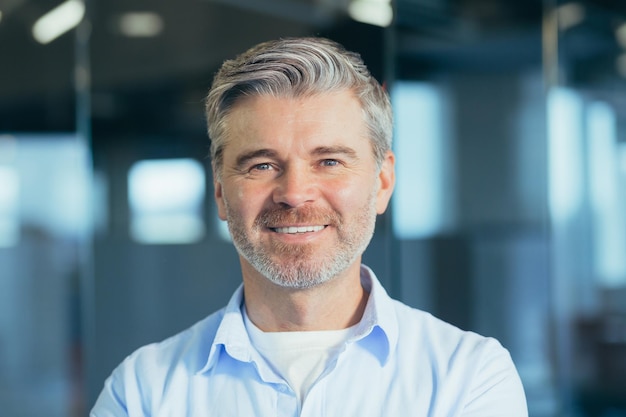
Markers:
point(275, 217)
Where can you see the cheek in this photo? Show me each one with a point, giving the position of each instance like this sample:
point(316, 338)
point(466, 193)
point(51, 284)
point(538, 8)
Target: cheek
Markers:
point(232, 201)
point(348, 196)
point(244, 204)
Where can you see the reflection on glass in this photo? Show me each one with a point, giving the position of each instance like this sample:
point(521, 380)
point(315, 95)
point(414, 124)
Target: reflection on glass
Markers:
point(565, 153)
point(40, 356)
point(9, 220)
point(166, 199)
point(607, 210)
point(54, 202)
point(420, 145)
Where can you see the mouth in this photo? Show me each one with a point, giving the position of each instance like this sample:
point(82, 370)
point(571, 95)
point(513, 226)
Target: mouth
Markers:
point(297, 229)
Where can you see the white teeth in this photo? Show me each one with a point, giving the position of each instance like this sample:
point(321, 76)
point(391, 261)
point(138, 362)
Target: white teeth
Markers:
point(300, 229)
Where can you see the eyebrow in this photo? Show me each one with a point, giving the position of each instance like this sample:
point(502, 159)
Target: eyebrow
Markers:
point(243, 159)
point(335, 150)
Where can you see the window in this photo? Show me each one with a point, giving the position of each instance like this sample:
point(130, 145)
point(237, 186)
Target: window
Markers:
point(166, 199)
point(421, 145)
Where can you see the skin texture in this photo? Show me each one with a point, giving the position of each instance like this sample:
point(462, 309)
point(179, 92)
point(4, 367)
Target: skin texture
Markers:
point(301, 163)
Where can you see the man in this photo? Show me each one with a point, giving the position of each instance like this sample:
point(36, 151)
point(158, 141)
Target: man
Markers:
point(302, 163)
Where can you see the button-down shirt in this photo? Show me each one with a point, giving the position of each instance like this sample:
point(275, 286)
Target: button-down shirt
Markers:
point(399, 362)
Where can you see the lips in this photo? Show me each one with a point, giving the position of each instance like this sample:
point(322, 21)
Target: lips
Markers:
point(297, 220)
point(298, 229)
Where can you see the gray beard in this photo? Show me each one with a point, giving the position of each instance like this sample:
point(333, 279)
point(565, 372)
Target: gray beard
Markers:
point(302, 266)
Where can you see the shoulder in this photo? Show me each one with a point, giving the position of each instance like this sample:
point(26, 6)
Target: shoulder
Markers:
point(429, 331)
point(140, 380)
point(474, 372)
point(146, 373)
point(447, 350)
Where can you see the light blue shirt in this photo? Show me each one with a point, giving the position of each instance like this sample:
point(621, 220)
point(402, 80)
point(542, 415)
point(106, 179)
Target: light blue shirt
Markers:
point(400, 362)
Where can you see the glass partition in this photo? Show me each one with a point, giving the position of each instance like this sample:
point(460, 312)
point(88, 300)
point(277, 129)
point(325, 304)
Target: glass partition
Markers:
point(471, 225)
point(585, 98)
point(44, 209)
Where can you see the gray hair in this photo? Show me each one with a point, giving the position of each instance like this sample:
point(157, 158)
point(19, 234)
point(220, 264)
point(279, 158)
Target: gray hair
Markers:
point(294, 68)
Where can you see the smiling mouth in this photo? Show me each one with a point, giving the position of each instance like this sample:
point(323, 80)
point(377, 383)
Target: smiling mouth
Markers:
point(297, 229)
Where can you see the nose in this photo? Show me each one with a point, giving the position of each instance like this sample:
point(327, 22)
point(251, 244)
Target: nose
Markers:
point(295, 187)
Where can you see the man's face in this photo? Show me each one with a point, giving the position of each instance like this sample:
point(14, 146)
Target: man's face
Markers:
point(299, 186)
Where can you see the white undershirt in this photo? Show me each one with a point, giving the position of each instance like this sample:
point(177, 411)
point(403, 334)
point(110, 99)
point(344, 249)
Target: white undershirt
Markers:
point(299, 357)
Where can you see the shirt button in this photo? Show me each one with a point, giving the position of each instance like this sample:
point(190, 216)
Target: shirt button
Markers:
point(283, 388)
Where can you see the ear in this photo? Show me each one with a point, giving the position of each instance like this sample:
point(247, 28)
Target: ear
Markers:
point(219, 197)
point(386, 180)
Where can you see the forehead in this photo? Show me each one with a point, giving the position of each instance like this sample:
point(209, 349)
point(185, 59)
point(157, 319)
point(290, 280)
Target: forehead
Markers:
point(323, 116)
point(314, 101)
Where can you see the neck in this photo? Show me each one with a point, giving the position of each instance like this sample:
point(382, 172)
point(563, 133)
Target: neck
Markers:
point(336, 304)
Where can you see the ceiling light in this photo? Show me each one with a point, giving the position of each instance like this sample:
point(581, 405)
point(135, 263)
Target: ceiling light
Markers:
point(569, 15)
point(59, 20)
point(140, 24)
point(373, 12)
point(620, 35)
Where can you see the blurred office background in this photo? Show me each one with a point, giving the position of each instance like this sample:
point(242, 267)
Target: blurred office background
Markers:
point(508, 217)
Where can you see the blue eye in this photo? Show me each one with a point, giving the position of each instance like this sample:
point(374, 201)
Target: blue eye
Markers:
point(262, 167)
point(330, 162)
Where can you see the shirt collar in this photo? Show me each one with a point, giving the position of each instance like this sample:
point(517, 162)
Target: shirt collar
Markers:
point(378, 328)
point(377, 331)
point(231, 334)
